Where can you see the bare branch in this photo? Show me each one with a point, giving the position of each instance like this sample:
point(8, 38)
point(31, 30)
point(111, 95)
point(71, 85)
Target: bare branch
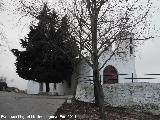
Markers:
point(113, 53)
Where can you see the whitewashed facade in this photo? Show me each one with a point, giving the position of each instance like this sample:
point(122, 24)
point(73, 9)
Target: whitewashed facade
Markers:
point(40, 88)
point(120, 67)
point(123, 63)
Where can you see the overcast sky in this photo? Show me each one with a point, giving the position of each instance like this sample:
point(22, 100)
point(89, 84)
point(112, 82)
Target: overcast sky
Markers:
point(147, 56)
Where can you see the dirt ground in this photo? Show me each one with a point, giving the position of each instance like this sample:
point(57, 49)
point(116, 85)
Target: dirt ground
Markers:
point(87, 111)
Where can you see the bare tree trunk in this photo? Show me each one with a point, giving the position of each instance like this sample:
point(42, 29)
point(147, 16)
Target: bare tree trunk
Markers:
point(75, 88)
point(47, 87)
point(98, 90)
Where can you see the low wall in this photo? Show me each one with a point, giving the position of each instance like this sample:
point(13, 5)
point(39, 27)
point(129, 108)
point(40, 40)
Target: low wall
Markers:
point(139, 96)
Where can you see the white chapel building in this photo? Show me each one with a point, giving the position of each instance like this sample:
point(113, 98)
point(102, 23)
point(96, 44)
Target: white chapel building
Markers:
point(119, 69)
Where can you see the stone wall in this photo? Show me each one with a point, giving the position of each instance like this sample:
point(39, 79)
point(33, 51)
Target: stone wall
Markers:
point(85, 92)
point(139, 96)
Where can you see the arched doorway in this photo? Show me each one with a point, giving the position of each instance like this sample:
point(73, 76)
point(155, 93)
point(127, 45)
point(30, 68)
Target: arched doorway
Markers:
point(110, 75)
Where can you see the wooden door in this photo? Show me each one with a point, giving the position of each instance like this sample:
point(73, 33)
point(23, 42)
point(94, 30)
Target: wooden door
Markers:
point(110, 75)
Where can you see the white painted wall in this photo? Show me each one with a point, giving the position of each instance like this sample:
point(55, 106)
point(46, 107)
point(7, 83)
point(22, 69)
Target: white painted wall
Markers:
point(51, 87)
point(138, 96)
point(32, 87)
point(124, 64)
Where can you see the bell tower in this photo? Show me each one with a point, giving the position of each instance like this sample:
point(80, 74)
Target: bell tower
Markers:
point(122, 64)
point(127, 56)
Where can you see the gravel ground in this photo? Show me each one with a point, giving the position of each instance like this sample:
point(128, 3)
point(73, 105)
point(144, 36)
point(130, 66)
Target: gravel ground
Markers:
point(87, 111)
point(14, 104)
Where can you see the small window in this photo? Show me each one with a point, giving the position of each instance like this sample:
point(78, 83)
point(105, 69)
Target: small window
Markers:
point(131, 49)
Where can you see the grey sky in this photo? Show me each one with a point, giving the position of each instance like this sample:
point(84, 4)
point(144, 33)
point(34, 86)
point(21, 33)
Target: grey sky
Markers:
point(147, 57)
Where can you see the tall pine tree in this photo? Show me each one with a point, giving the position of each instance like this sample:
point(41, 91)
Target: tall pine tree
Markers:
point(49, 50)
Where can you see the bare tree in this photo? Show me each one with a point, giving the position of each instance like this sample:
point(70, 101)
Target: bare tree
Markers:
point(2, 79)
point(2, 35)
point(98, 24)
point(1, 5)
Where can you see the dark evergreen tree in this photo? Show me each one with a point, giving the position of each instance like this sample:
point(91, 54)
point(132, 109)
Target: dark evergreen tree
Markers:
point(50, 51)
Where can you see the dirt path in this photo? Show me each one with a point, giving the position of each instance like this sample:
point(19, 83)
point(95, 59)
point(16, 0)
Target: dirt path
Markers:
point(20, 106)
